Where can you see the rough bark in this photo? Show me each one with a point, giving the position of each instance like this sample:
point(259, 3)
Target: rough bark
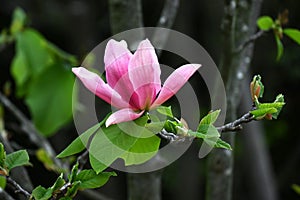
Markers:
point(238, 24)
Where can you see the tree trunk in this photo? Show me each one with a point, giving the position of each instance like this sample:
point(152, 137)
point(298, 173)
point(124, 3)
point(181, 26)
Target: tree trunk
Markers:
point(238, 24)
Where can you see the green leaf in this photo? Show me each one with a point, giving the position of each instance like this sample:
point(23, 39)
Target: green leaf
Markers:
point(45, 158)
point(265, 23)
point(18, 22)
point(279, 99)
point(262, 112)
point(80, 143)
point(74, 172)
point(117, 140)
point(294, 34)
point(89, 179)
point(222, 144)
point(49, 101)
point(279, 47)
point(210, 118)
point(72, 191)
point(2, 155)
point(2, 182)
point(41, 193)
point(58, 183)
point(167, 111)
point(296, 188)
point(16, 159)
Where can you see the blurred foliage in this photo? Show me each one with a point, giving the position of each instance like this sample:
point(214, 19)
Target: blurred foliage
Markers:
point(42, 75)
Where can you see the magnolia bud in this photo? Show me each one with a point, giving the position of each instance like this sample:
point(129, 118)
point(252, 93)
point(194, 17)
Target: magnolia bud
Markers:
point(256, 87)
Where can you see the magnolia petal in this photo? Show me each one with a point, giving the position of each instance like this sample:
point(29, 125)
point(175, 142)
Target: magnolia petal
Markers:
point(144, 72)
point(116, 58)
point(174, 82)
point(123, 115)
point(97, 86)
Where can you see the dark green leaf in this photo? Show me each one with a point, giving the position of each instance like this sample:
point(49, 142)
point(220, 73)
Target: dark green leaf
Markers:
point(18, 158)
point(41, 193)
point(294, 34)
point(167, 111)
point(279, 47)
point(265, 23)
point(79, 144)
point(89, 179)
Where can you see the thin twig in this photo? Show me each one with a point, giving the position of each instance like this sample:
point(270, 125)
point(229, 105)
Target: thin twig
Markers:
point(236, 124)
point(16, 187)
point(27, 126)
point(249, 41)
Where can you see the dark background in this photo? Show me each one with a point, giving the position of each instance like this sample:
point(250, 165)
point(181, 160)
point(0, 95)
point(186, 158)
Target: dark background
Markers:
point(78, 26)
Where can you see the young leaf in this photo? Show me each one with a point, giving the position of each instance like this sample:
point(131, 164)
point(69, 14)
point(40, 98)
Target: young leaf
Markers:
point(262, 112)
point(222, 144)
point(210, 118)
point(167, 111)
point(17, 158)
point(58, 183)
point(45, 158)
point(72, 176)
point(279, 47)
point(41, 193)
point(89, 179)
point(265, 23)
point(279, 99)
point(80, 142)
point(294, 34)
point(72, 191)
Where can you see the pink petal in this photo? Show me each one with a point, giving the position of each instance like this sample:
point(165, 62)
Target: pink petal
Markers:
point(174, 82)
point(97, 86)
point(123, 115)
point(116, 58)
point(144, 72)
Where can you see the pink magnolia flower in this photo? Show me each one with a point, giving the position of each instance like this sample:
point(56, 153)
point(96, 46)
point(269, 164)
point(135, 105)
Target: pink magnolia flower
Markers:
point(133, 80)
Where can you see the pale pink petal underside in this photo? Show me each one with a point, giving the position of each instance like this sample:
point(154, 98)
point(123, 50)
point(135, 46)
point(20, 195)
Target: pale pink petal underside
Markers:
point(144, 72)
point(123, 115)
point(97, 86)
point(174, 82)
point(116, 58)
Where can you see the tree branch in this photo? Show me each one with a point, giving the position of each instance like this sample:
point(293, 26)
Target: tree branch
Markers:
point(16, 187)
point(27, 126)
point(250, 40)
point(236, 124)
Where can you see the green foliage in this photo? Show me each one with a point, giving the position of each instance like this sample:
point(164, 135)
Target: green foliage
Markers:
point(264, 110)
point(294, 34)
point(16, 159)
point(296, 188)
point(265, 23)
point(48, 162)
point(12, 160)
point(167, 111)
point(41, 193)
point(89, 179)
point(42, 73)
